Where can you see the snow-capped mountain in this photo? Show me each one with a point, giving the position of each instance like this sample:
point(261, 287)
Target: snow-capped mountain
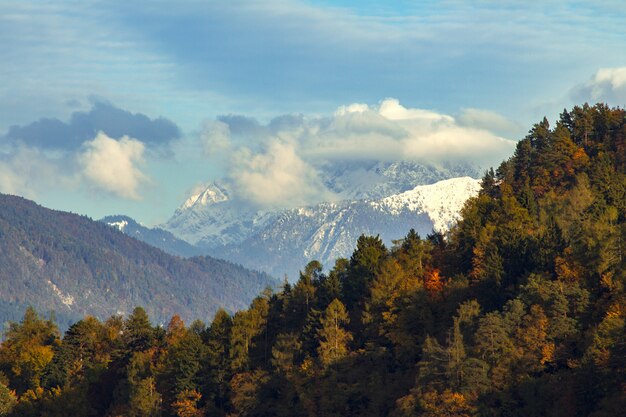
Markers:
point(213, 219)
point(329, 231)
point(374, 180)
point(210, 219)
point(380, 198)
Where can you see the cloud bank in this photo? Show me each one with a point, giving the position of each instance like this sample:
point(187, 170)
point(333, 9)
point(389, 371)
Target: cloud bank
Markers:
point(279, 163)
point(103, 164)
point(83, 126)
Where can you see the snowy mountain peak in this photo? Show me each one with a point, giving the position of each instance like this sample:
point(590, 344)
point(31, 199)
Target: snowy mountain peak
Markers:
point(376, 198)
point(442, 201)
point(212, 194)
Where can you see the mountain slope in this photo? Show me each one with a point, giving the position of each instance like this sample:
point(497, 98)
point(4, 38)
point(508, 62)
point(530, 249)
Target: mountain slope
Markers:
point(156, 237)
point(72, 265)
point(328, 231)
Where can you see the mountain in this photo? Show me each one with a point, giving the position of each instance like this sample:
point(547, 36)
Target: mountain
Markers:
point(327, 231)
point(213, 218)
point(375, 180)
point(377, 198)
point(72, 265)
point(156, 237)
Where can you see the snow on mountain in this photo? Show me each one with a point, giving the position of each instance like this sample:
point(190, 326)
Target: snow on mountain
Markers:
point(442, 201)
point(329, 231)
point(376, 198)
point(153, 236)
point(374, 180)
point(119, 225)
point(211, 219)
point(213, 194)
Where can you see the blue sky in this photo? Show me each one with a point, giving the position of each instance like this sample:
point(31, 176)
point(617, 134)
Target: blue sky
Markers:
point(493, 66)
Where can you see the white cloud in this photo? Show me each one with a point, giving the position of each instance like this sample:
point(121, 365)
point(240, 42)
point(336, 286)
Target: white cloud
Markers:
point(352, 108)
point(25, 171)
point(114, 165)
point(489, 120)
point(285, 169)
point(393, 110)
point(615, 77)
point(392, 132)
point(607, 85)
point(276, 177)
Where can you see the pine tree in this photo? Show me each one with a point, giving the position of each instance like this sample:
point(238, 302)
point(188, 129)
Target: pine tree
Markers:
point(138, 333)
point(333, 337)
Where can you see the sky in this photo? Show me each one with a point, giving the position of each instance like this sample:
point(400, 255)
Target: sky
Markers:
point(111, 107)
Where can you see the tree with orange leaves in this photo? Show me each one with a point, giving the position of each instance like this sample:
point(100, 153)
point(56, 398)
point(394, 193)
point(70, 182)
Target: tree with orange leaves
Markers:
point(433, 282)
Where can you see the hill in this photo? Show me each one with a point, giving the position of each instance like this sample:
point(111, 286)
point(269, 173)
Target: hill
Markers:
point(69, 264)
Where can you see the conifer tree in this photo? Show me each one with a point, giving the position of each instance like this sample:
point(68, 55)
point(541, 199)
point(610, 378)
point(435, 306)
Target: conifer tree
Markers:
point(333, 337)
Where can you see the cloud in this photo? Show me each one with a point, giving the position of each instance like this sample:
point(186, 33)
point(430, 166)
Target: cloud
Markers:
point(114, 165)
point(82, 126)
point(391, 109)
point(489, 120)
point(277, 177)
point(293, 150)
point(25, 171)
point(607, 85)
point(215, 137)
point(392, 132)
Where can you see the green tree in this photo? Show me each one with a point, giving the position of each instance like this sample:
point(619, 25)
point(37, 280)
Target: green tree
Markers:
point(138, 332)
point(285, 352)
point(364, 264)
point(333, 337)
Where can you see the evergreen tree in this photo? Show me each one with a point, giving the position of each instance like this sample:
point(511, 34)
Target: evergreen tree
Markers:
point(333, 337)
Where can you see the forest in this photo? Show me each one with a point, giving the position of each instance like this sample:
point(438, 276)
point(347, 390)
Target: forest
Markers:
point(518, 311)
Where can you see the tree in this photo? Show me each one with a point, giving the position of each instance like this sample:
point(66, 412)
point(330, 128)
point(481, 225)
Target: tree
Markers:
point(27, 350)
point(333, 337)
point(413, 254)
point(216, 368)
point(186, 404)
point(145, 401)
point(183, 363)
point(364, 264)
point(446, 404)
point(138, 333)
point(247, 325)
point(8, 399)
point(493, 342)
point(456, 356)
point(433, 283)
point(388, 288)
point(139, 389)
point(285, 352)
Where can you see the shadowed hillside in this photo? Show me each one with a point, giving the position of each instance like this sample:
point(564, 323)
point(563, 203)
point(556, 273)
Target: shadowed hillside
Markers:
point(71, 265)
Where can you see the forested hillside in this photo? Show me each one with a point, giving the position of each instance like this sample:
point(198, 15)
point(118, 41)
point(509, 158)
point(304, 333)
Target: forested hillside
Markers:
point(518, 311)
point(73, 266)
